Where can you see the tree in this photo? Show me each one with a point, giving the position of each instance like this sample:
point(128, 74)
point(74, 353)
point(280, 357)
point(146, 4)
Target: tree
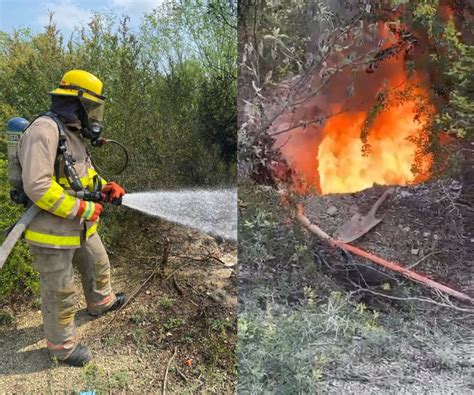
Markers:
point(171, 104)
point(289, 42)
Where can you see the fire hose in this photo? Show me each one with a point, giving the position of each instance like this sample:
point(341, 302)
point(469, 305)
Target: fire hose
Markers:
point(410, 274)
point(16, 232)
point(20, 226)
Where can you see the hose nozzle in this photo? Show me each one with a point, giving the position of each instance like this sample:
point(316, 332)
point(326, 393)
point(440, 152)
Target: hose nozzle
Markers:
point(98, 197)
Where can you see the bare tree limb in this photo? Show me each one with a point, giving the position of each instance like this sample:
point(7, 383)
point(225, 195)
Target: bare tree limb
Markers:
point(411, 298)
point(165, 379)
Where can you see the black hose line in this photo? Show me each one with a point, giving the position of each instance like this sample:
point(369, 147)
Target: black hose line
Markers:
point(115, 173)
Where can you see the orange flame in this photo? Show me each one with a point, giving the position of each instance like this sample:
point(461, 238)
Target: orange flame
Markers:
point(343, 168)
point(330, 157)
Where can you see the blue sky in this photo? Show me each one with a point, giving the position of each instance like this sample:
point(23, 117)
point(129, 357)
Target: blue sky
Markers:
point(33, 14)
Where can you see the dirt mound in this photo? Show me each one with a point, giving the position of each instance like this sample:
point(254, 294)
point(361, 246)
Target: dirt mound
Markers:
point(423, 227)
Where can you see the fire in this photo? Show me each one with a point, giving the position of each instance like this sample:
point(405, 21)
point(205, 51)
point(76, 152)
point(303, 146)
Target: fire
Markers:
point(330, 156)
point(344, 168)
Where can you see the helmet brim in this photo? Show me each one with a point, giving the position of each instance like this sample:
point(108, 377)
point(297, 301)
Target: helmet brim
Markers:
point(74, 92)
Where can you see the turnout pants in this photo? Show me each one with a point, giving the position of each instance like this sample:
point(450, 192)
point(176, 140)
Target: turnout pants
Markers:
point(58, 291)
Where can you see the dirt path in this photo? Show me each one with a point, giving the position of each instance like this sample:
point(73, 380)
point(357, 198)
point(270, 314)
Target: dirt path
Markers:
point(191, 310)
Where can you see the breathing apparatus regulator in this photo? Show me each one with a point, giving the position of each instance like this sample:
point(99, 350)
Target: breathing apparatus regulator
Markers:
point(87, 88)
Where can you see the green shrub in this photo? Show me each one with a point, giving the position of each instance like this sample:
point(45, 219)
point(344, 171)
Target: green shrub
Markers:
point(171, 92)
point(6, 318)
point(17, 273)
point(289, 352)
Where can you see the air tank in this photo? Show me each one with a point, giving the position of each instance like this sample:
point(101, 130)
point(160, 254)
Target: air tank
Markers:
point(15, 127)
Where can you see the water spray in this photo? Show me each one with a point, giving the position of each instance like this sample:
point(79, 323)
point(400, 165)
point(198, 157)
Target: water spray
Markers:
point(212, 211)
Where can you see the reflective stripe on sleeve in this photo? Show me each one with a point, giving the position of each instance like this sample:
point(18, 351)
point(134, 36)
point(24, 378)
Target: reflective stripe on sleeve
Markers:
point(56, 201)
point(51, 196)
point(65, 208)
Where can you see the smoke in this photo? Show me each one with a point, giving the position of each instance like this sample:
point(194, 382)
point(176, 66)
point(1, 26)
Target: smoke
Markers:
point(332, 120)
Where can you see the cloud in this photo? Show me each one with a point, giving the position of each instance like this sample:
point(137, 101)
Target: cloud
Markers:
point(135, 8)
point(67, 15)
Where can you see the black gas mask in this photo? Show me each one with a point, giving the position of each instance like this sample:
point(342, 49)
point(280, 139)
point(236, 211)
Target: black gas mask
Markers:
point(110, 160)
point(91, 118)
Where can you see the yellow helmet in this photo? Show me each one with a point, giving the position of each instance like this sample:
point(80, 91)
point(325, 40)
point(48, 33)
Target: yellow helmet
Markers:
point(82, 84)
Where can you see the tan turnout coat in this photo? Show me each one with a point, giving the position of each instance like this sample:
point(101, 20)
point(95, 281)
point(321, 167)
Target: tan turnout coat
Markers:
point(56, 226)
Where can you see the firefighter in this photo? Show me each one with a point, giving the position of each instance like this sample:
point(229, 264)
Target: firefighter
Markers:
point(65, 231)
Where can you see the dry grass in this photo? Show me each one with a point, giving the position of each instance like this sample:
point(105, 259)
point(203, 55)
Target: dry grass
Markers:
point(302, 327)
point(131, 353)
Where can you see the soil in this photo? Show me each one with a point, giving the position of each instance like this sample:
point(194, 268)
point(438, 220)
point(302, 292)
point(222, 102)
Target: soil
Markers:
point(188, 310)
point(423, 226)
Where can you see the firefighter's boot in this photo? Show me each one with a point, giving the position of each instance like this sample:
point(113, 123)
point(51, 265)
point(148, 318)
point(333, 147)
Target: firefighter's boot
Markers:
point(79, 356)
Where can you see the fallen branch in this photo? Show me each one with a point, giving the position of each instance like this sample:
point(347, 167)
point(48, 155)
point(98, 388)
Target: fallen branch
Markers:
point(422, 259)
point(387, 264)
point(411, 298)
point(165, 379)
point(368, 379)
point(182, 374)
point(200, 258)
point(178, 288)
point(148, 279)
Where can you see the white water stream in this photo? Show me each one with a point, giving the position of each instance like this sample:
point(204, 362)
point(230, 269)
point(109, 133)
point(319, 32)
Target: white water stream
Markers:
point(210, 211)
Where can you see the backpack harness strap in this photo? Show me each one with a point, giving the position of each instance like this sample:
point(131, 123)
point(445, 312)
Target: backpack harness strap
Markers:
point(71, 175)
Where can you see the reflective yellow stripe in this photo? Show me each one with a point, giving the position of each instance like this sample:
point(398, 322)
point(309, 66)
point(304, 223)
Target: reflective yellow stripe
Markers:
point(51, 196)
point(66, 206)
point(42, 238)
point(88, 211)
point(91, 230)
